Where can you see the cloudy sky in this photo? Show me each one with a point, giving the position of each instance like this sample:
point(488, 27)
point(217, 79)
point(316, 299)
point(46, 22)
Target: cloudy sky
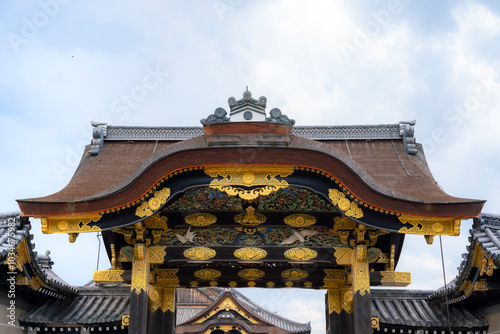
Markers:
point(171, 63)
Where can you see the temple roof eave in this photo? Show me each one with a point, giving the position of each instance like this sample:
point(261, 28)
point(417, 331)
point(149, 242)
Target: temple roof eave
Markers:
point(314, 153)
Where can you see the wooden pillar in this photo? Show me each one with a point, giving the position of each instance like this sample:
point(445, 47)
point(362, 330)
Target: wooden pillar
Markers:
point(361, 291)
point(162, 310)
point(139, 290)
point(338, 306)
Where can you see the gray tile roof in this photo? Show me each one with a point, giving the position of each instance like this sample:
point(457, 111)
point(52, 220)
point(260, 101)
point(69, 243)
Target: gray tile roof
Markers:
point(487, 234)
point(401, 308)
point(13, 229)
point(341, 132)
point(273, 318)
point(89, 306)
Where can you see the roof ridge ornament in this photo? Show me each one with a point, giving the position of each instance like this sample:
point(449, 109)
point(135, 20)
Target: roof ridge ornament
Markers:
point(99, 132)
point(407, 131)
point(247, 109)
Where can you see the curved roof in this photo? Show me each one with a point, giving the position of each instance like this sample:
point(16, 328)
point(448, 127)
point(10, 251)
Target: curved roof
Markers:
point(413, 310)
point(373, 165)
point(14, 233)
point(13, 230)
point(271, 317)
point(484, 241)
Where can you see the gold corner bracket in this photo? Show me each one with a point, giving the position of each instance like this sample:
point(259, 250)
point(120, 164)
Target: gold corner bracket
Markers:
point(430, 226)
point(71, 224)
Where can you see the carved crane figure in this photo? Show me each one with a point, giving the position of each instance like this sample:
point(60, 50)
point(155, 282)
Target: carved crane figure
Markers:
point(189, 236)
point(301, 236)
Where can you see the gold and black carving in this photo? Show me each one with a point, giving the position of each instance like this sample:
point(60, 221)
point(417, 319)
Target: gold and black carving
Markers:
point(262, 179)
point(294, 274)
point(300, 220)
point(300, 254)
point(200, 219)
point(147, 207)
point(251, 273)
point(70, 224)
point(207, 274)
point(250, 253)
point(349, 208)
point(250, 217)
point(199, 253)
point(108, 276)
point(430, 226)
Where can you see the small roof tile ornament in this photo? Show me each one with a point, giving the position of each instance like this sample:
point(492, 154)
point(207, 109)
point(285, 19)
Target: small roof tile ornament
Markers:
point(247, 109)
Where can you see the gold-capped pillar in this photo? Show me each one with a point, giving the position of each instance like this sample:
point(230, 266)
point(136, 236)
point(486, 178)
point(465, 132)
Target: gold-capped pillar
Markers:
point(162, 308)
point(139, 290)
point(361, 290)
point(338, 302)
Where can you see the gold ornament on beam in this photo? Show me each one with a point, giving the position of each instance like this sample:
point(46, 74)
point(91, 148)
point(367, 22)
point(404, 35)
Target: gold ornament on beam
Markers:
point(108, 276)
point(300, 254)
point(349, 208)
point(207, 274)
point(251, 273)
point(300, 220)
point(249, 176)
point(199, 253)
point(250, 217)
point(70, 224)
point(200, 219)
point(147, 207)
point(395, 278)
point(250, 253)
point(294, 274)
point(430, 226)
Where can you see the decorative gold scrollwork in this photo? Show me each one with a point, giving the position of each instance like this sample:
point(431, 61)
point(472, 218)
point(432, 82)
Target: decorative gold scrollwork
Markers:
point(250, 253)
point(349, 208)
point(251, 274)
point(199, 253)
point(250, 217)
point(430, 226)
point(395, 278)
point(248, 176)
point(300, 254)
point(70, 224)
point(200, 219)
point(108, 276)
point(294, 274)
point(207, 274)
point(300, 220)
point(147, 207)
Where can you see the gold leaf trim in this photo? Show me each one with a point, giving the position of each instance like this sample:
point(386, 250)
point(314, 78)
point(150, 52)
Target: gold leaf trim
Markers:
point(70, 224)
point(264, 176)
point(395, 278)
point(250, 217)
point(250, 253)
point(156, 254)
point(146, 208)
point(294, 274)
point(430, 226)
point(300, 220)
point(251, 273)
point(199, 253)
point(350, 209)
point(207, 274)
point(108, 275)
point(300, 254)
point(200, 219)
